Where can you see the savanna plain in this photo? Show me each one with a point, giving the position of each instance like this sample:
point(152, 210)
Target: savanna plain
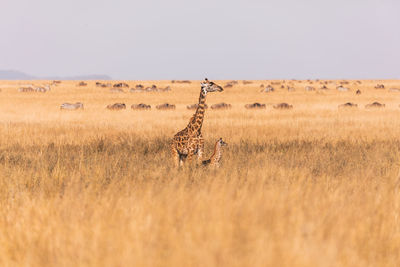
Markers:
point(311, 186)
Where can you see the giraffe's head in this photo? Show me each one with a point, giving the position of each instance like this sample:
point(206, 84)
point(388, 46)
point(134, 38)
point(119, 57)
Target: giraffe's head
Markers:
point(207, 86)
point(221, 142)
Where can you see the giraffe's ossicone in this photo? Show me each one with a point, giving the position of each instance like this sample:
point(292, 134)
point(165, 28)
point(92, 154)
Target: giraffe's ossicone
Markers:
point(189, 141)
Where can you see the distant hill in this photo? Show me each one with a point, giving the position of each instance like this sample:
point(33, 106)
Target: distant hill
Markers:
point(18, 75)
point(14, 75)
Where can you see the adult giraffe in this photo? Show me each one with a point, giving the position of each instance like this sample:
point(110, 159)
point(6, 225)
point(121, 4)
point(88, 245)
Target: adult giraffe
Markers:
point(189, 141)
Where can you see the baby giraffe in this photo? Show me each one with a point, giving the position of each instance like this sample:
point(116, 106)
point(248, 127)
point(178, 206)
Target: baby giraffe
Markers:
point(216, 157)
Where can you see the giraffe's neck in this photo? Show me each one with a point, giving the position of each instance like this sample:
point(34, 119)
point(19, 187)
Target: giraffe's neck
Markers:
point(217, 153)
point(197, 119)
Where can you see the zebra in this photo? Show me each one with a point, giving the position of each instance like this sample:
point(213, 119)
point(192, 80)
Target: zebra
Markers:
point(69, 106)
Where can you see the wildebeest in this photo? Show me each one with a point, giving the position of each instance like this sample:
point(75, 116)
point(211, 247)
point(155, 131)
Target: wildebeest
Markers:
point(247, 82)
point(255, 106)
point(153, 88)
point(348, 105)
point(140, 106)
point(104, 85)
point(283, 106)
point(221, 106)
point(230, 84)
point(358, 92)
point(116, 106)
point(139, 88)
point(194, 106)
point(166, 106)
point(69, 106)
point(324, 87)
point(121, 85)
point(375, 105)
point(183, 81)
point(82, 84)
point(379, 86)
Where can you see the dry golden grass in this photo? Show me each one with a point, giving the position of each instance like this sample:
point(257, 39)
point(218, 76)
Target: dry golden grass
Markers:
point(311, 186)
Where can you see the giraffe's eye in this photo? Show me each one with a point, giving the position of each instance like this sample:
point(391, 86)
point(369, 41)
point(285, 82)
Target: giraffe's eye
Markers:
point(211, 83)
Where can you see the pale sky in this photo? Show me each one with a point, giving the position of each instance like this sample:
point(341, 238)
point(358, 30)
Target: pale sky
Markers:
point(183, 39)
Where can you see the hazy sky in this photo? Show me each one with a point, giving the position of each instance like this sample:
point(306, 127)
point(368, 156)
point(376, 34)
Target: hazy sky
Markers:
point(183, 39)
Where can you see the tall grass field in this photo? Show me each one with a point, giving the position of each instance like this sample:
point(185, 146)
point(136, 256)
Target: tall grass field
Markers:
point(315, 185)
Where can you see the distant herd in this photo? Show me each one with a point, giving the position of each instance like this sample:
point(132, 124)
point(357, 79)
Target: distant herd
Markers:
point(41, 89)
point(167, 106)
point(340, 87)
point(121, 87)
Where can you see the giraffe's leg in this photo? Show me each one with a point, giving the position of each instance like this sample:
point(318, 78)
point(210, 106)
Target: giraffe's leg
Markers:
point(181, 161)
point(175, 156)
